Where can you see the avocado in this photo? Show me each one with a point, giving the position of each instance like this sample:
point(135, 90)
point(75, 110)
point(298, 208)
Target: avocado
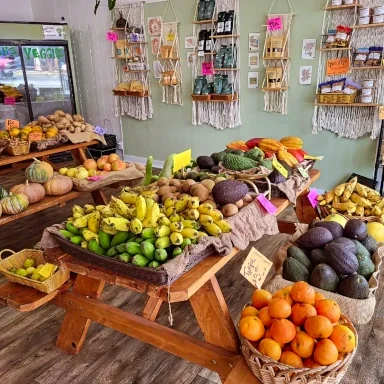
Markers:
point(192, 176)
point(300, 256)
point(342, 260)
point(266, 163)
point(355, 229)
point(276, 177)
point(360, 249)
point(335, 228)
point(312, 223)
point(347, 243)
point(216, 169)
point(213, 156)
point(354, 286)
point(366, 266)
point(294, 271)
point(324, 277)
point(315, 238)
point(205, 162)
point(317, 257)
point(219, 157)
point(370, 244)
point(229, 191)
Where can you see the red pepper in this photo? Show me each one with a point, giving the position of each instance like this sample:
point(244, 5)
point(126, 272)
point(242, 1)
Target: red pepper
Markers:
point(297, 153)
point(253, 143)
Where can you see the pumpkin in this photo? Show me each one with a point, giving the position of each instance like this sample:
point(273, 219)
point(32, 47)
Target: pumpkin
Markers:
point(39, 172)
point(34, 191)
point(3, 193)
point(14, 203)
point(58, 185)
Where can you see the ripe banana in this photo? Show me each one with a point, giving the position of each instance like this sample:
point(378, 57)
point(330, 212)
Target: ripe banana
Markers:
point(177, 226)
point(81, 222)
point(148, 191)
point(181, 205)
point(193, 203)
point(100, 207)
point(136, 226)
point(189, 233)
point(89, 235)
point(77, 215)
point(163, 242)
point(216, 215)
point(149, 203)
point(170, 202)
point(117, 206)
point(106, 211)
point(84, 244)
point(191, 224)
point(88, 208)
point(128, 197)
point(174, 218)
point(94, 221)
point(213, 230)
point(176, 238)
point(162, 231)
point(205, 219)
point(191, 214)
point(152, 216)
point(141, 208)
point(107, 229)
point(205, 208)
point(78, 209)
point(224, 226)
point(169, 211)
point(119, 224)
point(164, 221)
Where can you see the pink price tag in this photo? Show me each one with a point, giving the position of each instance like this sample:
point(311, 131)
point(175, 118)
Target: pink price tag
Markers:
point(268, 206)
point(312, 197)
point(112, 36)
point(207, 68)
point(9, 100)
point(274, 24)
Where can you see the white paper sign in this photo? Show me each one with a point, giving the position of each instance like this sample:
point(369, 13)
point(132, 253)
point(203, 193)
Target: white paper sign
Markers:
point(53, 32)
point(255, 268)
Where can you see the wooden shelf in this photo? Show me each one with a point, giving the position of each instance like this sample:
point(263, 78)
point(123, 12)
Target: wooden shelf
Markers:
point(205, 22)
point(137, 71)
point(224, 36)
point(368, 26)
point(210, 53)
point(169, 58)
point(276, 58)
point(216, 101)
point(140, 97)
point(342, 7)
point(367, 67)
point(336, 49)
point(349, 105)
point(226, 69)
point(274, 89)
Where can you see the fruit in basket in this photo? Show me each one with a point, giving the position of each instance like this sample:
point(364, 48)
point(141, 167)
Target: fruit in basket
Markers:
point(58, 185)
point(342, 260)
point(82, 174)
point(34, 191)
point(283, 331)
point(329, 309)
point(355, 229)
point(300, 256)
point(72, 172)
point(376, 231)
point(21, 272)
point(14, 203)
point(290, 358)
point(14, 132)
point(39, 172)
point(229, 192)
point(301, 312)
point(238, 163)
point(326, 352)
point(315, 238)
point(354, 286)
point(318, 327)
point(63, 171)
point(251, 328)
point(90, 165)
point(261, 298)
point(369, 243)
point(303, 293)
point(335, 228)
point(343, 338)
point(316, 256)
point(294, 271)
point(292, 142)
point(270, 348)
point(324, 277)
point(28, 263)
point(118, 165)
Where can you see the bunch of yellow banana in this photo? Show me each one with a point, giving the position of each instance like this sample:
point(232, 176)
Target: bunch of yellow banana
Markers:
point(129, 195)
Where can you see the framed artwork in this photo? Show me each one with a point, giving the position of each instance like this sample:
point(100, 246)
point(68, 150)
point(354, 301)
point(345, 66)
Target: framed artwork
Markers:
point(154, 25)
point(169, 33)
point(253, 60)
point(190, 42)
point(253, 80)
point(254, 41)
point(155, 45)
point(305, 75)
point(308, 50)
point(157, 69)
point(191, 59)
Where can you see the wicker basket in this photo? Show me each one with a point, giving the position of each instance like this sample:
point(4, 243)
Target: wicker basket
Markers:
point(336, 98)
point(17, 260)
point(366, 219)
point(270, 371)
point(22, 148)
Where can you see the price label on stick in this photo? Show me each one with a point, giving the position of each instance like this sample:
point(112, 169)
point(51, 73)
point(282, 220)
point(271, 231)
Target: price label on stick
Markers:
point(312, 197)
point(303, 172)
point(9, 124)
point(274, 24)
point(181, 160)
point(112, 36)
point(267, 205)
point(279, 167)
point(381, 112)
point(255, 268)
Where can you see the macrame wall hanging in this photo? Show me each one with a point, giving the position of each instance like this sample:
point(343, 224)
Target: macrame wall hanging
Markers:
point(169, 57)
point(131, 68)
point(357, 119)
point(216, 64)
point(276, 60)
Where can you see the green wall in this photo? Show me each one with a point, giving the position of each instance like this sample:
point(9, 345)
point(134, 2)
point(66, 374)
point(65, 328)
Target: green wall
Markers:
point(170, 130)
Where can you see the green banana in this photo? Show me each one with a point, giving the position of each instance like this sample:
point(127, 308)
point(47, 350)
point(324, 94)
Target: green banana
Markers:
point(70, 227)
point(77, 240)
point(94, 247)
point(140, 261)
point(119, 238)
point(65, 233)
point(133, 248)
point(148, 233)
point(148, 250)
point(163, 242)
point(112, 252)
point(161, 255)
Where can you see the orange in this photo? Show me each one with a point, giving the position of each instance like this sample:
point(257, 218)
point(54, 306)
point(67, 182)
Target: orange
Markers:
point(279, 308)
point(302, 292)
point(318, 327)
point(301, 312)
point(261, 298)
point(249, 311)
point(264, 317)
point(287, 347)
point(325, 352)
point(303, 345)
point(284, 293)
point(310, 363)
point(268, 335)
point(270, 348)
point(343, 338)
point(319, 296)
point(251, 328)
point(291, 359)
point(328, 308)
point(283, 331)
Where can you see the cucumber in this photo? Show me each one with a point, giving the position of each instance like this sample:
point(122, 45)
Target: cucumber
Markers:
point(95, 248)
point(105, 239)
point(112, 252)
point(125, 257)
point(140, 261)
point(119, 238)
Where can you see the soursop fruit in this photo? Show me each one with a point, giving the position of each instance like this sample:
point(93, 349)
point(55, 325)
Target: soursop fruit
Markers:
point(238, 163)
point(255, 154)
point(266, 164)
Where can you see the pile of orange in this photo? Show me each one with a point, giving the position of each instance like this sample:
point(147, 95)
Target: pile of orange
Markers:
point(297, 327)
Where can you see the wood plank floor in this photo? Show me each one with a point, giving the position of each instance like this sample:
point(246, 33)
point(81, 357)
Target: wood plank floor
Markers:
point(28, 354)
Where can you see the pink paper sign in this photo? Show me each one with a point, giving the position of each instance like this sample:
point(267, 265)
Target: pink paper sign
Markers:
point(112, 36)
point(312, 197)
point(9, 100)
point(274, 24)
point(268, 206)
point(207, 68)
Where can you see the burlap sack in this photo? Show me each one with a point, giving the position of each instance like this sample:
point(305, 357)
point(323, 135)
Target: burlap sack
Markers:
point(85, 137)
point(129, 174)
point(358, 311)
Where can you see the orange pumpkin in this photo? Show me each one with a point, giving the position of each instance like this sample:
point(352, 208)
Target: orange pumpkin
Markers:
point(270, 348)
point(261, 298)
point(344, 338)
point(283, 331)
point(303, 344)
point(318, 327)
point(290, 358)
point(325, 352)
point(251, 328)
point(279, 308)
point(263, 315)
point(328, 308)
point(301, 312)
point(302, 292)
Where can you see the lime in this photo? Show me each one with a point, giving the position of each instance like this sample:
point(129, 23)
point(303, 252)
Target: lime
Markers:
point(35, 276)
point(39, 267)
point(30, 270)
point(12, 270)
point(29, 263)
point(21, 272)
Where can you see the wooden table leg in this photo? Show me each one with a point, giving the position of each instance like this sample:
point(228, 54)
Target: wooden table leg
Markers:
point(241, 374)
point(304, 210)
point(213, 316)
point(75, 327)
point(151, 308)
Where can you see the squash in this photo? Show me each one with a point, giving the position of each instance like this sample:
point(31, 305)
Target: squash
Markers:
point(39, 172)
point(58, 185)
point(271, 145)
point(14, 203)
point(34, 191)
point(3, 193)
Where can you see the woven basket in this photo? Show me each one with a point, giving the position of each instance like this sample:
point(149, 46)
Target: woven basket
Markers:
point(336, 98)
point(22, 148)
point(17, 260)
point(366, 219)
point(270, 371)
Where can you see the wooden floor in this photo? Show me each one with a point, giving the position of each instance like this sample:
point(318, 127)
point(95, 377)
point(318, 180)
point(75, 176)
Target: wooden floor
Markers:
point(27, 341)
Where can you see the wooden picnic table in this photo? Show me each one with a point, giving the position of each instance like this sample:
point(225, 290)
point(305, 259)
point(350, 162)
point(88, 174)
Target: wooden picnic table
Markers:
point(220, 352)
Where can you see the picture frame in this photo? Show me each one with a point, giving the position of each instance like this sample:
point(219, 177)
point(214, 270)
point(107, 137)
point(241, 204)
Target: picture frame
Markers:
point(253, 80)
point(254, 41)
point(254, 60)
point(154, 25)
point(305, 75)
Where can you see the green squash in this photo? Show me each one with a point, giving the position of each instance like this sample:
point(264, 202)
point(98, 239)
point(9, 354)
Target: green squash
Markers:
point(14, 203)
point(39, 172)
point(3, 193)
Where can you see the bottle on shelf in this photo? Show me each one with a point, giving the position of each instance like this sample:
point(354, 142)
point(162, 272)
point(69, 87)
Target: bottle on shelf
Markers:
point(229, 19)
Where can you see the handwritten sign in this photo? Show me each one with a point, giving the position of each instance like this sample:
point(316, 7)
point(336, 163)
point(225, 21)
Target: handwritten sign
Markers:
point(338, 66)
point(35, 136)
point(112, 36)
point(303, 172)
point(9, 124)
point(255, 268)
point(312, 197)
point(200, 54)
point(267, 205)
point(274, 24)
point(9, 100)
point(381, 112)
point(181, 160)
point(53, 32)
point(279, 167)
point(207, 68)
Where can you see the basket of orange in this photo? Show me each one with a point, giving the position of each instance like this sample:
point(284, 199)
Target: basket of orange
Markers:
point(296, 336)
